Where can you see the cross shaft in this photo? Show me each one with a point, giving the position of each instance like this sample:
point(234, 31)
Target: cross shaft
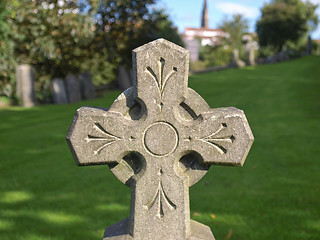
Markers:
point(160, 137)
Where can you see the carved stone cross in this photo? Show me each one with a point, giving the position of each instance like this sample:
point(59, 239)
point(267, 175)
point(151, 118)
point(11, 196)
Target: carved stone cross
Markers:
point(159, 137)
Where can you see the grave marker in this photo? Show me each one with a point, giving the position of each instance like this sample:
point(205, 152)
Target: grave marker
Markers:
point(25, 85)
point(58, 91)
point(86, 86)
point(159, 137)
point(73, 88)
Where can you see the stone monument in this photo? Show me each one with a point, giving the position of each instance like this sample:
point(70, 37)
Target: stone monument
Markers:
point(73, 88)
point(159, 138)
point(58, 90)
point(236, 61)
point(87, 88)
point(25, 85)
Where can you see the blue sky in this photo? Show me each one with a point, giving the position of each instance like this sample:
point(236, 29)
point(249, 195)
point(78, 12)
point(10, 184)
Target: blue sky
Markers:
point(187, 13)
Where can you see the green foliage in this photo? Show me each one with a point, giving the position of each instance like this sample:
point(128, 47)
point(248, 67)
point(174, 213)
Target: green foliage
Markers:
point(266, 51)
point(7, 62)
point(56, 40)
point(285, 20)
point(198, 65)
point(130, 24)
point(160, 26)
point(103, 70)
point(84, 35)
point(123, 22)
point(219, 55)
point(235, 27)
point(315, 47)
point(274, 196)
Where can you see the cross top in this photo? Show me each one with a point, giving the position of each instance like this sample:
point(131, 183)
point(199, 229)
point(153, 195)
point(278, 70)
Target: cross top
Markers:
point(159, 137)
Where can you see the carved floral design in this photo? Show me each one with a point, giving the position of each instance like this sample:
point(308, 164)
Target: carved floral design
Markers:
point(216, 141)
point(160, 79)
point(107, 138)
point(159, 199)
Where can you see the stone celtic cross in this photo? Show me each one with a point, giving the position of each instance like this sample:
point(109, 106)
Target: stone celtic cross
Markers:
point(159, 137)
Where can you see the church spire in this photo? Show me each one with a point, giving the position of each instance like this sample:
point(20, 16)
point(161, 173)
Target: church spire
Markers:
point(205, 16)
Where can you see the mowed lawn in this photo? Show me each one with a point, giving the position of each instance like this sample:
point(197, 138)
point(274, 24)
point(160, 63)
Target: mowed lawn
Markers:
point(276, 195)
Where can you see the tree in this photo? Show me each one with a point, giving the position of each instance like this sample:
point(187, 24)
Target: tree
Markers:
point(67, 36)
point(285, 20)
point(121, 22)
point(235, 27)
point(127, 24)
point(7, 63)
point(160, 26)
point(54, 38)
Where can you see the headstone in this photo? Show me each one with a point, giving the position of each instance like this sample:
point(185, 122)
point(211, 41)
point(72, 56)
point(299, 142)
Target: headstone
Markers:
point(25, 85)
point(159, 138)
point(58, 91)
point(251, 57)
point(236, 61)
point(73, 89)
point(86, 86)
point(124, 78)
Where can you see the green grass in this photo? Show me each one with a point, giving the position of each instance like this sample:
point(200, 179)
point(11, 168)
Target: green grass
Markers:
point(276, 195)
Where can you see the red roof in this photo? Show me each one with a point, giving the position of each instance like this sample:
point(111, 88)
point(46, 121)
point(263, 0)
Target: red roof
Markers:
point(204, 29)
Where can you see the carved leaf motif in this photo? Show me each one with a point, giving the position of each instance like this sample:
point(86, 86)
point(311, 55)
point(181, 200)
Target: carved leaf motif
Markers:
point(107, 138)
point(160, 79)
point(159, 198)
point(215, 141)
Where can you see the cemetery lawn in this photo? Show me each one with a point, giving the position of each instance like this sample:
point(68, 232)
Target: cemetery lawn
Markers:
point(276, 195)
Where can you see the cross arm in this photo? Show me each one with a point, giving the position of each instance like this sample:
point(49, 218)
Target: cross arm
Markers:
point(223, 137)
point(97, 136)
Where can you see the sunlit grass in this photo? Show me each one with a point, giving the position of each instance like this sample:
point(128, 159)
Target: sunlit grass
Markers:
point(45, 196)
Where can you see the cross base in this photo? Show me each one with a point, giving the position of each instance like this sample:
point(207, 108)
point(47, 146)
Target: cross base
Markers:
point(119, 231)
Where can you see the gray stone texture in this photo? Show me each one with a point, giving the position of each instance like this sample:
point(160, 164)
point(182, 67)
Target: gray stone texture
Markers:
point(25, 85)
point(236, 61)
point(58, 91)
point(86, 86)
point(73, 88)
point(159, 138)
point(251, 57)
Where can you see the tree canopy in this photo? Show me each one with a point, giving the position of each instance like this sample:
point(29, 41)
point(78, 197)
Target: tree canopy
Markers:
point(235, 26)
point(285, 20)
point(59, 37)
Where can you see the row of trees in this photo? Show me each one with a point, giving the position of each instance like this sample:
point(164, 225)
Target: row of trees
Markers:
point(285, 21)
point(71, 36)
point(283, 25)
point(66, 36)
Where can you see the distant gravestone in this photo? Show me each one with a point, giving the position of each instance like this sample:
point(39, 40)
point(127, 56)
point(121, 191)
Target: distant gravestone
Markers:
point(86, 86)
point(159, 138)
point(73, 88)
point(25, 85)
point(236, 61)
point(124, 78)
point(58, 91)
point(251, 57)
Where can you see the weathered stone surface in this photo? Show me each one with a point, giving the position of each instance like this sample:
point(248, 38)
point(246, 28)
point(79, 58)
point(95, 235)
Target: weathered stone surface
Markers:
point(73, 88)
point(236, 61)
point(25, 85)
point(58, 91)
point(251, 57)
point(86, 86)
point(159, 138)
